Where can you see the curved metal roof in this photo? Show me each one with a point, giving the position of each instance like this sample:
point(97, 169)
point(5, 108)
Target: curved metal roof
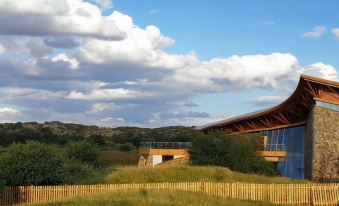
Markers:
point(294, 110)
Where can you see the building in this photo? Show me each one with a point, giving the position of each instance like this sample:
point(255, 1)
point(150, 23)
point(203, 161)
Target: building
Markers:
point(301, 134)
point(163, 153)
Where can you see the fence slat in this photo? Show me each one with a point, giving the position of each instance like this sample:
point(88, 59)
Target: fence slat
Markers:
point(296, 194)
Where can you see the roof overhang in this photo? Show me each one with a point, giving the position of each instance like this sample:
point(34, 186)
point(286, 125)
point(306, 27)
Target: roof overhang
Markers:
point(292, 112)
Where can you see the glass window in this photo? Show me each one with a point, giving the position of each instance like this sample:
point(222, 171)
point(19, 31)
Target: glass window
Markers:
point(326, 105)
point(290, 140)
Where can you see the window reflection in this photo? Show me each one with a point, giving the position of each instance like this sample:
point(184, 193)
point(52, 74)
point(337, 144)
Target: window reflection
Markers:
point(290, 140)
point(327, 105)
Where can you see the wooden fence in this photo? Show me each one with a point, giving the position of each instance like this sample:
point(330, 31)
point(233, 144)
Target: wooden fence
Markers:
point(296, 194)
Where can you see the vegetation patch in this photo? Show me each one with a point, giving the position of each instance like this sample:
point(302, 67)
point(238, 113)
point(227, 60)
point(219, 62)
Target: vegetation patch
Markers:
point(189, 174)
point(234, 152)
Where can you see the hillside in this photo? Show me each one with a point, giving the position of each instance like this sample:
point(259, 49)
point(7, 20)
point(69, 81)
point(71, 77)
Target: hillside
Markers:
point(61, 133)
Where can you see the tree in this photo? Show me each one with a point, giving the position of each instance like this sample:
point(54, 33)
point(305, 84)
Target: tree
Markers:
point(2, 184)
point(98, 139)
point(82, 151)
point(32, 163)
point(235, 152)
point(125, 148)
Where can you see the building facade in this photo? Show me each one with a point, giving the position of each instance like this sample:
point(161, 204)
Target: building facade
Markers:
point(163, 153)
point(301, 134)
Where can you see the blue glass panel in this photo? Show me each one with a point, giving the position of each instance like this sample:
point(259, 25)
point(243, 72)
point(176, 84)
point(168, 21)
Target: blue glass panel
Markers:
point(331, 106)
point(292, 141)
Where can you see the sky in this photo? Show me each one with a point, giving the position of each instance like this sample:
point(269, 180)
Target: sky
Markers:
point(159, 63)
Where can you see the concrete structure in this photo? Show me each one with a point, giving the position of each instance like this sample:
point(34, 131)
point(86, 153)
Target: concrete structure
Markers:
point(163, 153)
point(301, 134)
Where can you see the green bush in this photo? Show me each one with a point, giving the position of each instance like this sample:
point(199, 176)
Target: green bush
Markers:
point(125, 148)
point(76, 172)
point(32, 163)
point(234, 152)
point(82, 151)
point(2, 184)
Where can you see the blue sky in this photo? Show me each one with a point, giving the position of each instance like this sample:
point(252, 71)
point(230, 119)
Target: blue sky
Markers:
point(225, 28)
point(158, 63)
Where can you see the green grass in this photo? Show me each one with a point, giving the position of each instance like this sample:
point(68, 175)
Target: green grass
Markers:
point(153, 198)
point(189, 174)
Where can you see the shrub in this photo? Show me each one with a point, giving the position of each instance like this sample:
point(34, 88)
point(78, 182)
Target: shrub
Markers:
point(125, 148)
point(234, 152)
point(82, 151)
point(2, 184)
point(32, 163)
point(98, 139)
point(76, 172)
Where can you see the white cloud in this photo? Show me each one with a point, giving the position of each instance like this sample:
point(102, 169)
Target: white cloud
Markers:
point(105, 4)
point(33, 7)
point(321, 70)
point(37, 47)
point(315, 33)
point(2, 49)
point(73, 63)
point(141, 46)
point(76, 69)
point(249, 71)
point(98, 108)
point(335, 32)
point(112, 122)
point(11, 93)
point(105, 94)
point(57, 17)
point(265, 101)
point(8, 111)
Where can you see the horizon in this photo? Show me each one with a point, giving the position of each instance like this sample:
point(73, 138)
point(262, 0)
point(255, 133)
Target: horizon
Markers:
point(154, 64)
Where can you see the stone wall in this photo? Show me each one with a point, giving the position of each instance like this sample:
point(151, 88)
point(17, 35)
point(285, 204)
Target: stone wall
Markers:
point(322, 145)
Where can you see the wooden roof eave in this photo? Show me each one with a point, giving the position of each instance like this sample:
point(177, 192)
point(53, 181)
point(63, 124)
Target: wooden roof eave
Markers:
point(293, 98)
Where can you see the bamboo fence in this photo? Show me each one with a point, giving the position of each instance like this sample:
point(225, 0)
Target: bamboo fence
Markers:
point(293, 194)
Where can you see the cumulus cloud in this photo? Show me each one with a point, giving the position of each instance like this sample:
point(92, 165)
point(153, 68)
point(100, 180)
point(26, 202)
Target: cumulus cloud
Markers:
point(105, 4)
point(105, 94)
point(62, 42)
point(142, 46)
point(65, 60)
point(335, 32)
point(8, 111)
point(2, 49)
point(265, 101)
point(238, 72)
point(73, 63)
point(37, 47)
point(321, 70)
point(315, 33)
point(57, 18)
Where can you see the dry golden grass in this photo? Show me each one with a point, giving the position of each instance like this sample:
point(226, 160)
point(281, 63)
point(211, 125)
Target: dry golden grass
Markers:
point(189, 174)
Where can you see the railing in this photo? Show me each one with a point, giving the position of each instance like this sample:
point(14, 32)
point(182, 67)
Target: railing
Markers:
point(275, 147)
point(292, 194)
point(165, 145)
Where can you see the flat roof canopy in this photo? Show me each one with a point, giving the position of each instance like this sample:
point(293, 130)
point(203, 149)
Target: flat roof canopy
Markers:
point(292, 112)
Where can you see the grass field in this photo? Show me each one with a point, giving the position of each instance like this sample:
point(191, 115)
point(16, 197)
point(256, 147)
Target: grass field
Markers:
point(153, 198)
point(189, 174)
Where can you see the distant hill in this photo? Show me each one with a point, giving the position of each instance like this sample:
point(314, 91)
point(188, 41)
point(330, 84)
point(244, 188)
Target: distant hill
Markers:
point(61, 133)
